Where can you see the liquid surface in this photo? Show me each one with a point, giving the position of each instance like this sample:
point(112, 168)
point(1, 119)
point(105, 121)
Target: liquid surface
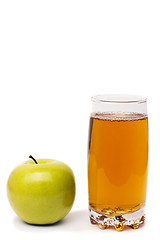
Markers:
point(117, 162)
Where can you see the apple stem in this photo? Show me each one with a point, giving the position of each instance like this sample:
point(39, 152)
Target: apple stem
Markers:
point(30, 156)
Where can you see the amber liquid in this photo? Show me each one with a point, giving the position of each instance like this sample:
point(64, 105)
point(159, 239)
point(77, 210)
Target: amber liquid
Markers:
point(117, 162)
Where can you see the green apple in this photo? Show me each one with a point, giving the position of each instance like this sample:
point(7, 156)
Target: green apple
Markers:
point(41, 191)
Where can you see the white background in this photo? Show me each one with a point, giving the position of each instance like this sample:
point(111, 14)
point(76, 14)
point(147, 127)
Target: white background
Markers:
point(54, 55)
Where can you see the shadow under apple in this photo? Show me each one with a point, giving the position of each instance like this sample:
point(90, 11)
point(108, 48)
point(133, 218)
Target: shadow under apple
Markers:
point(74, 221)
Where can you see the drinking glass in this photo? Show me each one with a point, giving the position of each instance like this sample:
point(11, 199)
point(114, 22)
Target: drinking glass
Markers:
point(118, 161)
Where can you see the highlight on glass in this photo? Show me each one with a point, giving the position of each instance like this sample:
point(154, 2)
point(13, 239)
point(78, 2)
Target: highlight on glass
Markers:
point(118, 161)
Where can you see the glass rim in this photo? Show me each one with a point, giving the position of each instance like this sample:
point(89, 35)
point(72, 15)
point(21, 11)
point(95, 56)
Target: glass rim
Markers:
point(118, 98)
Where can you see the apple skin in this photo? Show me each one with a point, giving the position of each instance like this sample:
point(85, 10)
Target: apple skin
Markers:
point(41, 193)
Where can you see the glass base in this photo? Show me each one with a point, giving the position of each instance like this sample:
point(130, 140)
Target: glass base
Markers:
point(132, 219)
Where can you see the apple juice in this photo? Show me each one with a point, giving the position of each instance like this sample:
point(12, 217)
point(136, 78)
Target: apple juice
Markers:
point(117, 162)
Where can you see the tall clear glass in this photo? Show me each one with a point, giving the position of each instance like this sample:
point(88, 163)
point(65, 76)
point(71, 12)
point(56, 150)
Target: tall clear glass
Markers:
point(118, 161)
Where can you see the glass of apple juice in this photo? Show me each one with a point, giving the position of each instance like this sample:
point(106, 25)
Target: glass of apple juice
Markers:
point(118, 161)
